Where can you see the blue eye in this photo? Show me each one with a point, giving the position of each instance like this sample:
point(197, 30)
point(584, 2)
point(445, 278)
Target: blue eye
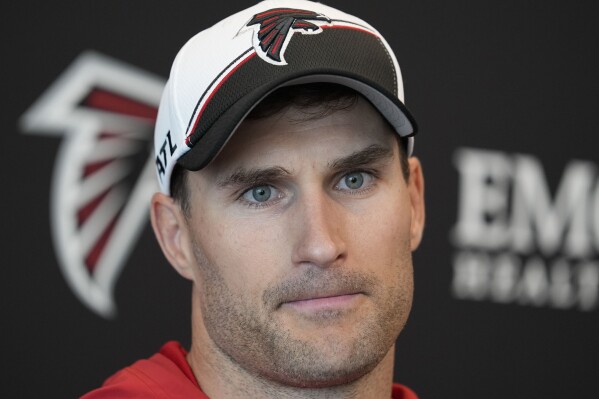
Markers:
point(354, 180)
point(259, 196)
point(261, 193)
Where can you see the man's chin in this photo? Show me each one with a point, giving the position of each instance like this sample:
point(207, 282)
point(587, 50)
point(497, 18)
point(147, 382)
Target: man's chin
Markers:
point(324, 372)
point(326, 355)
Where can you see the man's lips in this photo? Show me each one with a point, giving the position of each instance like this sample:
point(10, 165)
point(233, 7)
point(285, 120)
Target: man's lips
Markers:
point(323, 301)
point(332, 288)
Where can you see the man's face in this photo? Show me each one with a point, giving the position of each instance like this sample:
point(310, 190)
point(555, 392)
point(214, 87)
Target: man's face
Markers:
point(302, 232)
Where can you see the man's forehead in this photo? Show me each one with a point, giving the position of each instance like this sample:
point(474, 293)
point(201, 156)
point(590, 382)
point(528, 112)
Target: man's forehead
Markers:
point(293, 135)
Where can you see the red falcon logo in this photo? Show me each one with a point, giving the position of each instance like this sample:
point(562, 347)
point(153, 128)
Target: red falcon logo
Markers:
point(104, 172)
point(276, 27)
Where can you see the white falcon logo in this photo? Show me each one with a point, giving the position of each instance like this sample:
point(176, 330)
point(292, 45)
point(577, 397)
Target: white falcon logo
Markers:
point(104, 172)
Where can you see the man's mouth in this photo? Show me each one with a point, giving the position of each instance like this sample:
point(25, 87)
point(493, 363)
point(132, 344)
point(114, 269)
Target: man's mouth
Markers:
point(318, 302)
point(315, 291)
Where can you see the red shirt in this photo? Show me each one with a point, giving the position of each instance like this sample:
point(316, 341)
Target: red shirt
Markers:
point(167, 375)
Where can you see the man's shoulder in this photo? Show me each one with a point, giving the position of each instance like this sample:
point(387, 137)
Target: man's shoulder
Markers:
point(164, 375)
point(402, 392)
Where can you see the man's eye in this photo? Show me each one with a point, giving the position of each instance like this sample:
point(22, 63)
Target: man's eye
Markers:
point(354, 181)
point(258, 194)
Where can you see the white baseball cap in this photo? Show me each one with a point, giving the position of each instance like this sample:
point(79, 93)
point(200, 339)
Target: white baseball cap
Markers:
point(223, 72)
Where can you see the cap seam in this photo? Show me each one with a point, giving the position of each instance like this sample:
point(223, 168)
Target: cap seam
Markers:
point(395, 91)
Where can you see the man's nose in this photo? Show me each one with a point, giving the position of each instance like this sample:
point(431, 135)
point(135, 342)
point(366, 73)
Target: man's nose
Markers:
point(320, 225)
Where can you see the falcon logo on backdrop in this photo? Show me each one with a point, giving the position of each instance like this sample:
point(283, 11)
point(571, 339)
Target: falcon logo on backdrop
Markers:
point(104, 172)
point(275, 28)
point(516, 242)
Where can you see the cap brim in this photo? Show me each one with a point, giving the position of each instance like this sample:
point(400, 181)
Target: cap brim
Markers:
point(390, 107)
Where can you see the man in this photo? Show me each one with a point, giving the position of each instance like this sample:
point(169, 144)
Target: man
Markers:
point(289, 199)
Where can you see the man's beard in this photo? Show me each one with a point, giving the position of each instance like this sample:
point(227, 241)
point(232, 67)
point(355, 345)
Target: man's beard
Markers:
point(252, 334)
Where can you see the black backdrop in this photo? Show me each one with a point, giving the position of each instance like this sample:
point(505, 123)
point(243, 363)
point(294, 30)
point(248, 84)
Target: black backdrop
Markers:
point(508, 84)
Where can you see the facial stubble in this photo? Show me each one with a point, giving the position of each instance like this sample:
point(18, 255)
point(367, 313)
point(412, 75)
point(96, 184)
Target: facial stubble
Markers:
point(252, 335)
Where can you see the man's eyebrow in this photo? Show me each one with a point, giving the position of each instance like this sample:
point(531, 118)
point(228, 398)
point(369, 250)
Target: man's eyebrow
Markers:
point(252, 177)
point(366, 156)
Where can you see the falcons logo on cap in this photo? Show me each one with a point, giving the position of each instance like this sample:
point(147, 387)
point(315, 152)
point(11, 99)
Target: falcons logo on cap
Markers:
point(104, 173)
point(276, 27)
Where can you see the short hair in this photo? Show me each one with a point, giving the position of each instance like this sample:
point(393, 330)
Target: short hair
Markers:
point(316, 100)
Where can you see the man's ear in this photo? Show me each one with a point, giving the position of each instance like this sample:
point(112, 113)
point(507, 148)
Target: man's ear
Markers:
point(416, 193)
point(172, 233)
